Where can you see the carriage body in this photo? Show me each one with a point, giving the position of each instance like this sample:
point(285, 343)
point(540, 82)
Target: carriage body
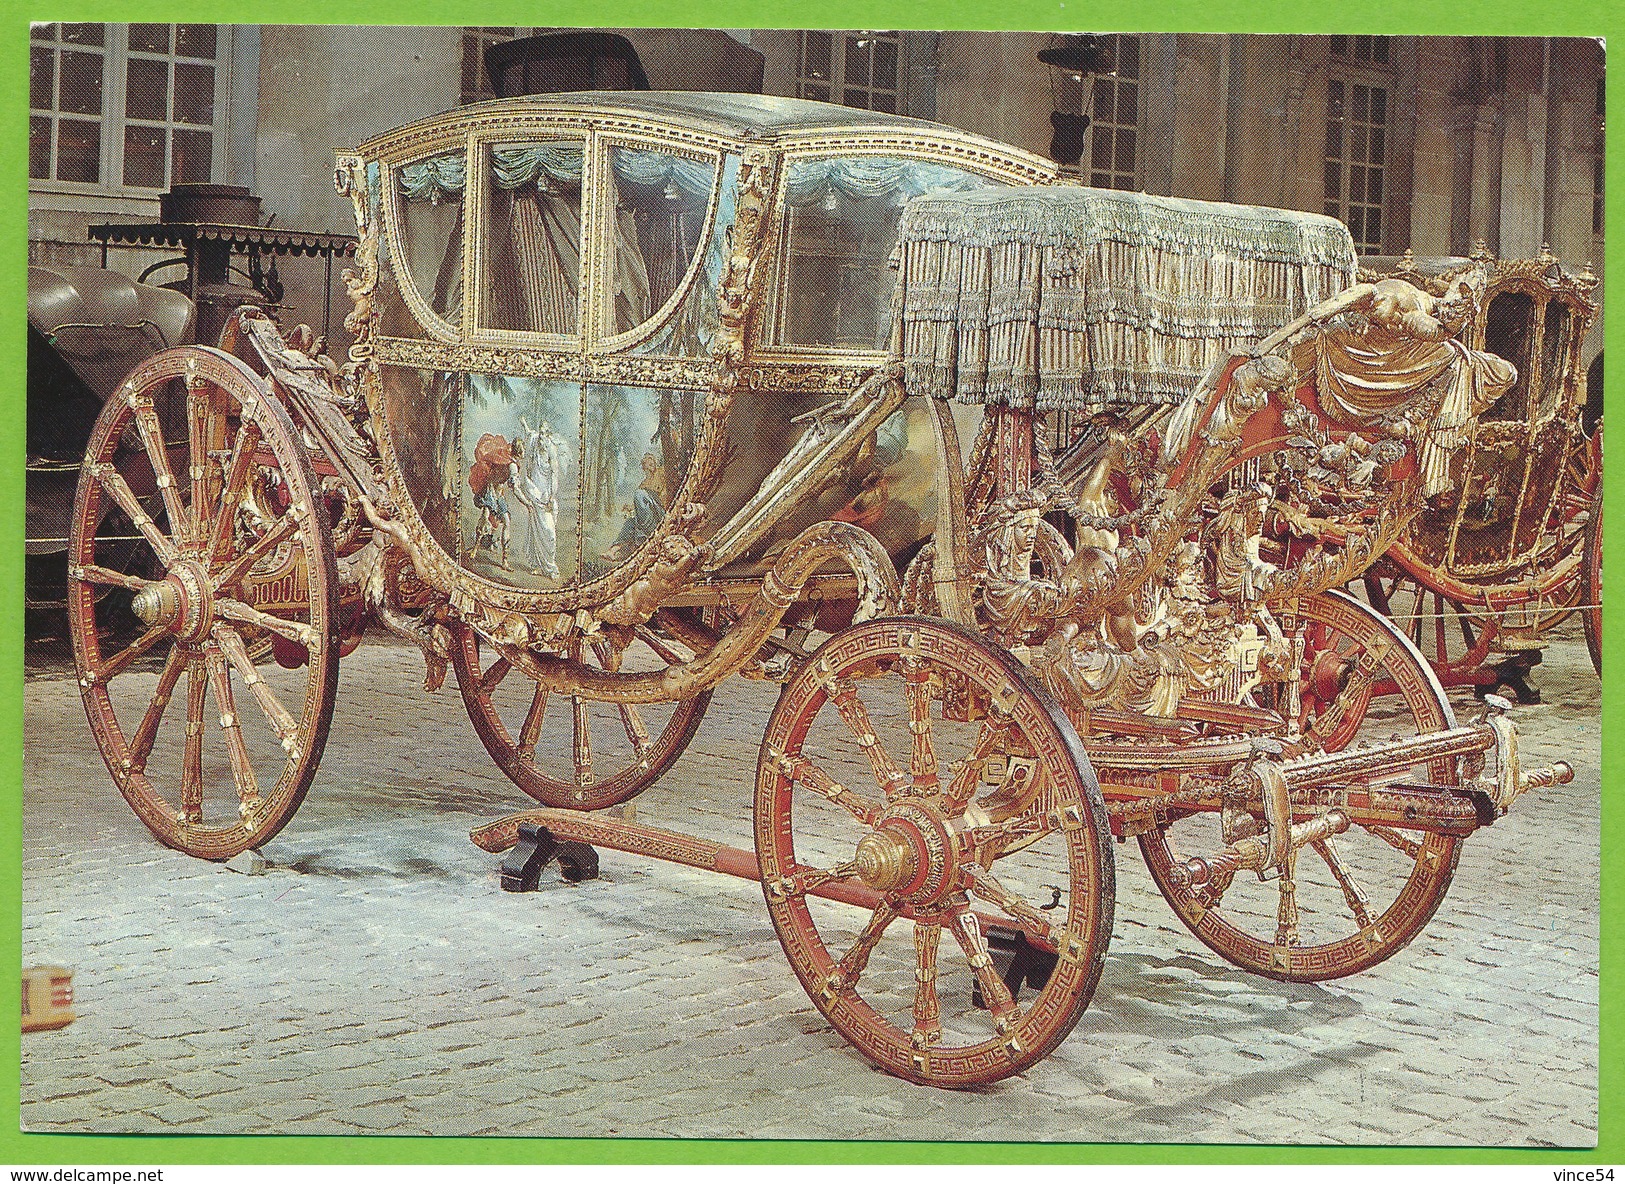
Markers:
point(551, 270)
point(1509, 550)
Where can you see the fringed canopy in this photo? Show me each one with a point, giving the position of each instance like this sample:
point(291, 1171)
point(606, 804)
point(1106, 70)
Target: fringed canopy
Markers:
point(1061, 297)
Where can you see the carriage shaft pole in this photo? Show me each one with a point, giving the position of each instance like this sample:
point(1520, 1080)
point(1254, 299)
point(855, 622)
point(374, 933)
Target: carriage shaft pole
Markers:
point(675, 847)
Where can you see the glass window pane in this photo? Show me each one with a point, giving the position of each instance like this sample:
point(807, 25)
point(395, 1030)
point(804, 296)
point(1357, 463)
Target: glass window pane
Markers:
point(855, 98)
point(1362, 49)
point(1373, 186)
point(1334, 98)
point(885, 101)
point(1375, 155)
point(195, 41)
point(149, 38)
point(1379, 105)
point(533, 246)
point(81, 83)
point(1125, 150)
point(1356, 183)
point(1334, 180)
point(886, 63)
point(78, 150)
point(819, 93)
point(1373, 228)
point(146, 92)
point(857, 62)
point(660, 205)
point(84, 34)
point(1379, 49)
point(39, 148)
point(144, 153)
point(815, 47)
point(842, 217)
point(1100, 147)
point(1128, 99)
point(194, 93)
point(1105, 99)
point(193, 157)
point(1356, 221)
point(1334, 138)
point(41, 78)
point(1128, 56)
point(1362, 102)
point(1340, 46)
point(431, 205)
point(1357, 142)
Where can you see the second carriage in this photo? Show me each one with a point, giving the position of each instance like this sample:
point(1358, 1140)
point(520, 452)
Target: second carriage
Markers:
point(635, 405)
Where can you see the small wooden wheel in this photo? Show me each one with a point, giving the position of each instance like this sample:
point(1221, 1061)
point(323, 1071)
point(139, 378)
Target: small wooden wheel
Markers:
point(1361, 897)
point(928, 777)
point(582, 754)
point(239, 554)
point(1591, 582)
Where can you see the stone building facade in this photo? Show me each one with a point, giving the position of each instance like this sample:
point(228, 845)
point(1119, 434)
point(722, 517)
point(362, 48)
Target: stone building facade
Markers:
point(1420, 143)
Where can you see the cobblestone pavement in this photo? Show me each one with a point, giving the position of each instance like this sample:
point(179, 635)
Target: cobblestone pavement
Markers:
point(377, 980)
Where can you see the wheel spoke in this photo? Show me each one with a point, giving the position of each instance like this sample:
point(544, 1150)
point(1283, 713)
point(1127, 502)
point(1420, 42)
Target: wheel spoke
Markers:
point(1396, 840)
point(236, 610)
point(927, 1006)
point(888, 775)
point(635, 731)
point(92, 574)
point(257, 550)
point(234, 485)
point(1359, 904)
point(852, 963)
point(922, 762)
point(986, 885)
point(492, 678)
point(1286, 906)
point(805, 879)
point(197, 454)
point(152, 437)
point(995, 993)
point(192, 761)
point(968, 772)
point(799, 770)
point(113, 481)
point(147, 731)
point(242, 769)
point(119, 662)
point(532, 728)
point(281, 719)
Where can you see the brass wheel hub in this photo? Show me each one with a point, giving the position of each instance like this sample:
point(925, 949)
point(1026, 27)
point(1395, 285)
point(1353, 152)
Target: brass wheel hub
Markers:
point(909, 855)
point(179, 602)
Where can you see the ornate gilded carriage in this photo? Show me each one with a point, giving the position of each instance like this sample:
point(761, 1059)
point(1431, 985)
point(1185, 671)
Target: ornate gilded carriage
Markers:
point(1487, 570)
point(635, 404)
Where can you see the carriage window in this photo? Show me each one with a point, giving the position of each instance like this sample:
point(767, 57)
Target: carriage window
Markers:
point(658, 225)
point(533, 241)
point(840, 228)
point(1554, 349)
point(431, 203)
point(1509, 332)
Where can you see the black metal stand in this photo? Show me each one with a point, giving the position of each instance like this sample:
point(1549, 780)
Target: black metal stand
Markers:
point(522, 869)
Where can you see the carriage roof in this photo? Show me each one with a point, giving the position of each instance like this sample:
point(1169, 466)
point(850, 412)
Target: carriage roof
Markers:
point(745, 117)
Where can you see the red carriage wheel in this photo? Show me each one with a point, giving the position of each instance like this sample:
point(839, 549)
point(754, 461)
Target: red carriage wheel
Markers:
point(1357, 899)
point(570, 752)
point(239, 553)
point(928, 773)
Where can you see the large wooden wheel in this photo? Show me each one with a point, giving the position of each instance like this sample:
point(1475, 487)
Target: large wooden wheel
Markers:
point(1358, 898)
point(239, 555)
point(915, 764)
point(567, 751)
point(1591, 581)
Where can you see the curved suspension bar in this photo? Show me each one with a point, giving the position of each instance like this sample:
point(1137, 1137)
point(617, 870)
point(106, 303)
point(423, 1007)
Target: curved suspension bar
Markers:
point(810, 551)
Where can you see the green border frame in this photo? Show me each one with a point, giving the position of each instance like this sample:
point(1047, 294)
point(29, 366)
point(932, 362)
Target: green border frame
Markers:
point(1587, 18)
